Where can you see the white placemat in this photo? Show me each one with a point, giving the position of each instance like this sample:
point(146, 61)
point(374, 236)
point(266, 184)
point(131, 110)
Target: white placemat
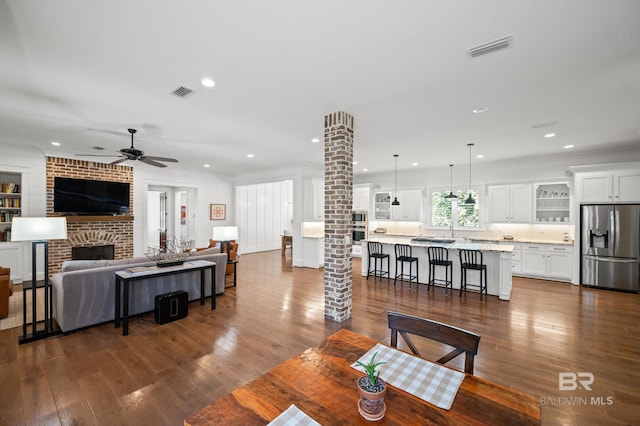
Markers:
point(434, 383)
point(293, 416)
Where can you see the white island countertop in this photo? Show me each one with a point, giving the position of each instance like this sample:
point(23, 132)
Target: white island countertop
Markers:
point(437, 241)
point(497, 257)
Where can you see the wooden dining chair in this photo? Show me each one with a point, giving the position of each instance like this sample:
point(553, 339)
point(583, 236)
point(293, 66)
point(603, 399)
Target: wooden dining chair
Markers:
point(462, 340)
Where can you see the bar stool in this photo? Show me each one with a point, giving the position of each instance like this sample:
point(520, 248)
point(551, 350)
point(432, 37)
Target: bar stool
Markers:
point(375, 252)
point(472, 259)
point(439, 256)
point(403, 254)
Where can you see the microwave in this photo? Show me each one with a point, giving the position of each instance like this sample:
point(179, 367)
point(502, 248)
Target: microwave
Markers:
point(359, 216)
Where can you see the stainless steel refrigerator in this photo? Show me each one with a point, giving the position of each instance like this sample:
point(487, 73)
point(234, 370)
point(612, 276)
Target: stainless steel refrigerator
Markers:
point(611, 246)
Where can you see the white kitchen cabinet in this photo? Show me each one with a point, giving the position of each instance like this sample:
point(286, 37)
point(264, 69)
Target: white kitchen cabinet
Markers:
point(611, 186)
point(548, 261)
point(313, 249)
point(317, 200)
point(410, 205)
point(361, 197)
point(516, 259)
point(510, 203)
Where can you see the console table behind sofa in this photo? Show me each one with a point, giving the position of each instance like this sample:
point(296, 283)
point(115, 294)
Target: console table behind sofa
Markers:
point(83, 293)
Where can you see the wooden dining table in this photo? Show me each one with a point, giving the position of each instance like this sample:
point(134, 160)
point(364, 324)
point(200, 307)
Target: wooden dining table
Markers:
point(321, 382)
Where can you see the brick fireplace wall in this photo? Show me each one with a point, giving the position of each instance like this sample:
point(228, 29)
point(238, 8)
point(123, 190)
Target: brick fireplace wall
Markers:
point(89, 231)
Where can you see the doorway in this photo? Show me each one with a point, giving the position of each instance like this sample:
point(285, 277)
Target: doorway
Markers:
point(170, 217)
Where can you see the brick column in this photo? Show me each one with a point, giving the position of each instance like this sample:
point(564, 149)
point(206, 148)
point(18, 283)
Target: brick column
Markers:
point(338, 196)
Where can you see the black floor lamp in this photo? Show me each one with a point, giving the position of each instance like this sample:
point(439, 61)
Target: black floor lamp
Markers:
point(38, 230)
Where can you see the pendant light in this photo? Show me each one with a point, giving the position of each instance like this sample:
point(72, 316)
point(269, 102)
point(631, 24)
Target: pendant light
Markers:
point(395, 201)
point(469, 199)
point(451, 195)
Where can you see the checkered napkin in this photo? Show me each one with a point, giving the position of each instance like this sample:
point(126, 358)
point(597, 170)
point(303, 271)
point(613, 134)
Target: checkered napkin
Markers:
point(293, 416)
point(432, 382)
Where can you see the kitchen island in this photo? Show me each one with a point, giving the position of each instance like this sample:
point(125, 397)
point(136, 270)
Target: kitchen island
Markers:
point(497, 257)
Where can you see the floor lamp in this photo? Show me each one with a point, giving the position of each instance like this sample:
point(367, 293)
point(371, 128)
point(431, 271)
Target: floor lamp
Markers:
point(38, 230)
point(225, 234)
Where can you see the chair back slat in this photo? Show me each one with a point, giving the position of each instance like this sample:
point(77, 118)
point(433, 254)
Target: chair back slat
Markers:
point(438, 254)
point(374, 247)
point(471, 257)
point(462, 340)
point(403, 250)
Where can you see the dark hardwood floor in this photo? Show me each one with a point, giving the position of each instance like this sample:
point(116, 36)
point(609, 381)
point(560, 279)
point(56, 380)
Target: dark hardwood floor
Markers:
point(160, 374)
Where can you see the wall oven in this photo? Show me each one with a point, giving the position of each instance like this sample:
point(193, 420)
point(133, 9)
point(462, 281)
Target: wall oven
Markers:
point(359, 217)
point(359, 231)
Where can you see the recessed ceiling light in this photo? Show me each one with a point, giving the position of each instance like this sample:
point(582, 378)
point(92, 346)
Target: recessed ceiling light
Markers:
point(250, 155)
point(207, 82)
point(365, 170)
point(480, 156)
point(550, 135)
point(414, 164)
point(207, 165)
point(354, 162)
point(480, 110)
point(54, 143)
point(568, 146)
point(315, 140)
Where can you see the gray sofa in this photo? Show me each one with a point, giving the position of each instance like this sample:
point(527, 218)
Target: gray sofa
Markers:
point(84, 292)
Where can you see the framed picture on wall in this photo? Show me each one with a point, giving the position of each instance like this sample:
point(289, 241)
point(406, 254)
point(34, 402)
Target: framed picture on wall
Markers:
point(218, 211)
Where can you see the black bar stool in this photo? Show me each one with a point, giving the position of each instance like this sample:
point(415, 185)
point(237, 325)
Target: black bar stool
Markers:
point(439, 256)
point(403, 254)
point(375, 253)
point(472, 259)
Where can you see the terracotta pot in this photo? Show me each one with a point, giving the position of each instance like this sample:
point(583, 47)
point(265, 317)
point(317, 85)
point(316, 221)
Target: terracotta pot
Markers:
point(371, 404)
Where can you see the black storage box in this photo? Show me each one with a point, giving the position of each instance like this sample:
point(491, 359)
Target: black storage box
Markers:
point(171, 306)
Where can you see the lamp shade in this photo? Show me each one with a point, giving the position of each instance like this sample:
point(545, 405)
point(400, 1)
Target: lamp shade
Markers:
point(38, 228)
point(225, 233)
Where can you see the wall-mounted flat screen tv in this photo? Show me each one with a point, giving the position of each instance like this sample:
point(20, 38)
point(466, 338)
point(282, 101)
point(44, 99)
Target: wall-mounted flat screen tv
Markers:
point(83, 196)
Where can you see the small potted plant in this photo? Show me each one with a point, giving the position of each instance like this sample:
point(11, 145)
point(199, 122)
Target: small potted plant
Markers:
point(372, 390)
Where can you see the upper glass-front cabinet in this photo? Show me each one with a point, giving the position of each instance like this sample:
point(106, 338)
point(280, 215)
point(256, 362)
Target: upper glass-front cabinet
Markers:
point(553, 203)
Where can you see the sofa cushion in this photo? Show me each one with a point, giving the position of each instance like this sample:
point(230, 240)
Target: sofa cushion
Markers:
point(77, 265)
point(210, 250)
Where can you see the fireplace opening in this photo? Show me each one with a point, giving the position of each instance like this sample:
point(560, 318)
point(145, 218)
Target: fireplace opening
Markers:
point(105, 252)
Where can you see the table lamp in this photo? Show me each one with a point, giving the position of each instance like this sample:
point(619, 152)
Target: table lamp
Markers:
point(225, 234)
point(38, 230)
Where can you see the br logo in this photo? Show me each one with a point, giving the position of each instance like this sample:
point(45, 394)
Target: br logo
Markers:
point(568, 381)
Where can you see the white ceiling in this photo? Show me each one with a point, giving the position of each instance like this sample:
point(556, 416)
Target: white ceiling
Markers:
point(81, 72)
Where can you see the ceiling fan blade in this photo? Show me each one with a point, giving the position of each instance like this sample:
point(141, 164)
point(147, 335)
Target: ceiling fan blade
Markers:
point(151, 162)
point(123, 159)
point(170, 160)
point(97, 155)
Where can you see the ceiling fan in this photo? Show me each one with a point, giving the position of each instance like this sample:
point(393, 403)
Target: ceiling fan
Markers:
point(135, 154)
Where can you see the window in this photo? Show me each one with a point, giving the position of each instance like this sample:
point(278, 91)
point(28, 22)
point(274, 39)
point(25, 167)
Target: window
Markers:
point(465, 216)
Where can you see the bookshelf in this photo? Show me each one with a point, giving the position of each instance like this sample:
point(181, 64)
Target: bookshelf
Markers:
point(10, 202)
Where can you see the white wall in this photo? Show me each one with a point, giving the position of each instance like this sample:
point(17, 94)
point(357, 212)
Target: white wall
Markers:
point(264, 211)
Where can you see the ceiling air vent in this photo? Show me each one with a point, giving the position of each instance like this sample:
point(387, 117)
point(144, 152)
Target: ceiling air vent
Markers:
point(491, 46)
point(182, 92)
